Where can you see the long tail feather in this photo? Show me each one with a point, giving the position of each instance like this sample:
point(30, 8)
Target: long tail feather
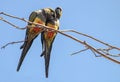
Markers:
point(24, 52)
point(47, 59)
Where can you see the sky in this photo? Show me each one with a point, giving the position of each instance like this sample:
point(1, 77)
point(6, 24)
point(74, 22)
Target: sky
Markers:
point(98, 18)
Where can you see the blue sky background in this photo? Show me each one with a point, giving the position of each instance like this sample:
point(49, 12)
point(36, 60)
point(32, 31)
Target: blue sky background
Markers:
point(98, 18)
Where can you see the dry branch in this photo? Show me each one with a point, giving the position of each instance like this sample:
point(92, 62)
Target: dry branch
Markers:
point(95, 51)
point(79, 51)
point(10, 43)
point(112, 47)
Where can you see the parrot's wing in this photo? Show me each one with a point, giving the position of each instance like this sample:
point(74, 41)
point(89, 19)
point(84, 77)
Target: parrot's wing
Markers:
point(32, 17)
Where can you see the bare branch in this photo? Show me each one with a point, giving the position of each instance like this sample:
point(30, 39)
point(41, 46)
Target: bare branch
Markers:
point(11, 24)
point(10, 15)
point(118, 55)
point(79, 51)
point(18, 41)
point(106, 51)
point(22, 19)
point(91, 38)
point(95, 50)
point(88, 46)
point(95, 53)
point(11, 43)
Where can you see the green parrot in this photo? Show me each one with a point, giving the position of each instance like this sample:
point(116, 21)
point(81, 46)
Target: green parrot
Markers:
point(47, 38)
point(41, 17)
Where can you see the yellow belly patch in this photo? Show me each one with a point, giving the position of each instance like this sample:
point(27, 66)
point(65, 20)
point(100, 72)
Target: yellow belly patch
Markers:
point(39, 21)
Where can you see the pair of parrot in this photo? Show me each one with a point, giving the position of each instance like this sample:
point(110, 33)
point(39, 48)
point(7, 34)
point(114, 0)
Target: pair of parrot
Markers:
point(46, 17)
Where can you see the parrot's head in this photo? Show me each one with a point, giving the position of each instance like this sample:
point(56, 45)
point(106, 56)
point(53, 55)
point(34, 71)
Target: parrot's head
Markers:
point(58, 12)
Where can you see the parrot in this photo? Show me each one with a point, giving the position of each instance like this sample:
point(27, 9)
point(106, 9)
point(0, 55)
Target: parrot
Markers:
point(48, 36)
point(38, 16)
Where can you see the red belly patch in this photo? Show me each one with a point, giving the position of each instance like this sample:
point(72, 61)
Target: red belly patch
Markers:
point(50, 34)
point(36, 29)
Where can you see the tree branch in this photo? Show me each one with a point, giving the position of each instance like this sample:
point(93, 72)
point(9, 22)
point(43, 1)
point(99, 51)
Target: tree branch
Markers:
point(11, 24)
point(11, 43)
point(79, 51)
point(88, 46)
point(112, 47)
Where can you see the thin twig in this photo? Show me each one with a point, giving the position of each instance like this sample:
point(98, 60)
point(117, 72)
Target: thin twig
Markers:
point(11, 24)
point(23, 19)
point(95, 53)
point(95, 50)
point(19, 41)
point(11, 43)
point(107, 53)
point(10, 15)
point(118, 55)
point(79, 51)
